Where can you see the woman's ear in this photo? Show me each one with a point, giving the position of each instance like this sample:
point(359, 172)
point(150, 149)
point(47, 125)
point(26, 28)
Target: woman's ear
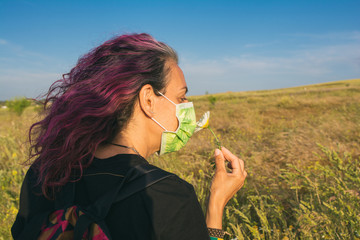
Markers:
point(147, 99)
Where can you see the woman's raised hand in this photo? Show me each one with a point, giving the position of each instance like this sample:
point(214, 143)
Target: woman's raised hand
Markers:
point(224, 185)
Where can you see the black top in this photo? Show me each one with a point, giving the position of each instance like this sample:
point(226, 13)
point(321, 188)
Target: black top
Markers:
point(168, 209)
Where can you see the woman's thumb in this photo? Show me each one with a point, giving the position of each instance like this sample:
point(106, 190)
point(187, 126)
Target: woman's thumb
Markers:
point(219, 160)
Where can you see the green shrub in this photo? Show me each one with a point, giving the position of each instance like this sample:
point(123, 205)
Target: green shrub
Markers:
point(212, 100)
point(18, 105)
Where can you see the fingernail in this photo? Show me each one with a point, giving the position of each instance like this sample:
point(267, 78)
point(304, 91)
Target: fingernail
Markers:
point(217, 152)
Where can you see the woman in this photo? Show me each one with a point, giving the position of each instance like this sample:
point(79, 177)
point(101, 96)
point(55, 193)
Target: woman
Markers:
point(121, 103)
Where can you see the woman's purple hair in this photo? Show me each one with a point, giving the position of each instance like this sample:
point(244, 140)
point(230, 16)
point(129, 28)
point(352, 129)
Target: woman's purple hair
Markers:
point(93, 103)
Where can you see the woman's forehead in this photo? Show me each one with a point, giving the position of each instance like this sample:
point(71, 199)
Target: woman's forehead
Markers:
point(177, 81)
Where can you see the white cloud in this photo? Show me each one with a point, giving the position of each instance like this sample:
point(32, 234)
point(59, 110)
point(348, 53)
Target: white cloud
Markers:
point(16, 55)
point(351, 35)
point(17, 82)
point(28, 73)
point(24, 72)
point(251, 45)
point(3, 41)
point(253, 72)
point(258, 45)
point(24, 76)
point(203, 67)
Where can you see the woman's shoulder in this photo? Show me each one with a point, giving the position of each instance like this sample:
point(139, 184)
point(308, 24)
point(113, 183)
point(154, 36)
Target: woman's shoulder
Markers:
point(170, 187)
point(174, 181)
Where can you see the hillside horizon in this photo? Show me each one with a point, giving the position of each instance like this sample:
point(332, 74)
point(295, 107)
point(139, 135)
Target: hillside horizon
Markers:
point(331, 84)
point(344, 83)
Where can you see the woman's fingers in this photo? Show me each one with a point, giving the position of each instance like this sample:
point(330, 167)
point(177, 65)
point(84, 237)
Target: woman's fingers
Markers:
point(225, 184)
point(236, 164)
point(219, 160)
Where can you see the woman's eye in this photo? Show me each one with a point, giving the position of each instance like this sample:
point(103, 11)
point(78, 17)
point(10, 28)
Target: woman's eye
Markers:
point(183, 99)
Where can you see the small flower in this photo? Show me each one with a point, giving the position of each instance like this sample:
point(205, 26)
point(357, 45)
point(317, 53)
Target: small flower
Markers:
point(204, 123)
point(14, 172)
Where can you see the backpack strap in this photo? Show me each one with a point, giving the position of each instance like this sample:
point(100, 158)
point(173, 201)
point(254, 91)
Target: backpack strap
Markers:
point(137, 178)
point(96, 212)
point(147, 175)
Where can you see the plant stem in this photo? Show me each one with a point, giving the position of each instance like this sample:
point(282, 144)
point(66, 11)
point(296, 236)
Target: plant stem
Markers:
point(217, 140)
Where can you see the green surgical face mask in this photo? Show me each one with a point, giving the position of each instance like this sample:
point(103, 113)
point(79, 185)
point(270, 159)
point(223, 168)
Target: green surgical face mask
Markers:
point(174, 141)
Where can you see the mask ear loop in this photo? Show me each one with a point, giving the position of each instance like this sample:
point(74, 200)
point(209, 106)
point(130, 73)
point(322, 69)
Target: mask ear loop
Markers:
point(166, 97)
point(158, 123)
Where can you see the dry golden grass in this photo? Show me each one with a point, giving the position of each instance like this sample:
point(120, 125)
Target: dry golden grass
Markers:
point(272, 128)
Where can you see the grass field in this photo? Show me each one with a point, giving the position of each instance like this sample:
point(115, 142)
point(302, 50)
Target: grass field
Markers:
point(301, 148)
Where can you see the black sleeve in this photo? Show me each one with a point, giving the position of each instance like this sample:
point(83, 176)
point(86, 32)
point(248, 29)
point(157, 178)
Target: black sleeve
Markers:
point(175, 210)
point(31, 203)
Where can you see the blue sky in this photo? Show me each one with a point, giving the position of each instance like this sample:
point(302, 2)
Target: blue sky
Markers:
point(223, 45)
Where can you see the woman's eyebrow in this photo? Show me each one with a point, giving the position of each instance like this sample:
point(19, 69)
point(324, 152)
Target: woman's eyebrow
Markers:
point(186, 89)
